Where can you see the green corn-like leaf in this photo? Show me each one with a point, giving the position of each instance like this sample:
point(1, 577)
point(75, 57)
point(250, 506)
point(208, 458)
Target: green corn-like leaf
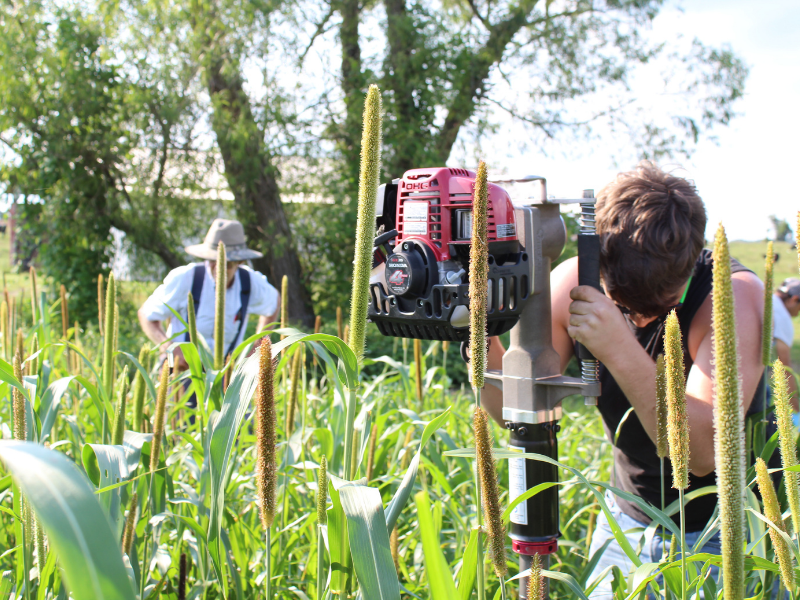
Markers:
point(662, 444)
point(772, 511)
point(786, 435)
point(119, 416)
point(440, 579)
point(766, 328)
point(219, 307)
point(191, 319)
point(35, 295)
point(678, 421)
point(284, 301)
point(479, 278)
point(79, 533)
point(365, 228)
point(728, 423)
point(294, 386)
point(159, 417)
point(139, 388)
point(108, 341)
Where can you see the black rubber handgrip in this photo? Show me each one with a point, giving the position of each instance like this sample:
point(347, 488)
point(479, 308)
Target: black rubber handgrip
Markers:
point(588, 272)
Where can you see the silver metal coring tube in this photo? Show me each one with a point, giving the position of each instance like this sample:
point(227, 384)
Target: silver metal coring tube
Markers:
point(588, 274)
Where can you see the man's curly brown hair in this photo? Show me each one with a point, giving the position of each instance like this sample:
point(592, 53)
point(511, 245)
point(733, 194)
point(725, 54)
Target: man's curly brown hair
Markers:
point(651, 226)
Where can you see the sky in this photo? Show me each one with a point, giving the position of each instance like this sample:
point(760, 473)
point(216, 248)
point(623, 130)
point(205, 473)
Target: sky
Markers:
point(751, 172)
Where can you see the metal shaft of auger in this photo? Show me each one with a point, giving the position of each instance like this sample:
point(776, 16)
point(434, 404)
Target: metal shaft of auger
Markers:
point(590, 367)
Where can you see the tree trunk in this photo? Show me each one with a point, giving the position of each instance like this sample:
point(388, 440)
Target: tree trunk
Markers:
point(253, 181)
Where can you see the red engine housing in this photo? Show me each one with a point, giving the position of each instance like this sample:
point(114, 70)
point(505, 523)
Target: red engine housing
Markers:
point(435, 205)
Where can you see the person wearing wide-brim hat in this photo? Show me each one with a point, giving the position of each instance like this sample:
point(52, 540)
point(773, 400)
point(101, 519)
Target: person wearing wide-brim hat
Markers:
point(248, 292)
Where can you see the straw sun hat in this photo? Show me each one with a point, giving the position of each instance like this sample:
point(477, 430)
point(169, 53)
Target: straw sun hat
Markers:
point(230, 233)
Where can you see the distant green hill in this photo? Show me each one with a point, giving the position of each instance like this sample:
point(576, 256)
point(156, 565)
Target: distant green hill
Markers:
point(752, 255)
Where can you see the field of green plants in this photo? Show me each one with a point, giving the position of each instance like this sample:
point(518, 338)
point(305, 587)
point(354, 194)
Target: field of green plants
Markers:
point(308, 470)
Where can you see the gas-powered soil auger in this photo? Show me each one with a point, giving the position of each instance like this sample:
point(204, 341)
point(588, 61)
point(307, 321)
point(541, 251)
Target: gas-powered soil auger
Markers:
point(419, 289)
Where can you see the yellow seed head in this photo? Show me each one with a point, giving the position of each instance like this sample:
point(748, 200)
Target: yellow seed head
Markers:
point(418, 369)
point(318, 324)
point(373, 440)
point(492, 512)
point(119, 417)
point(266, 439)
point(191, 319)
point(673, 547)
point(322, 492)
point(101, 298)
point(295, 382)
point(728, 422)
point(786, 435)
point(108, 341)
point(339, 323)
point(284, 301)
point(4, 328)
point(479, 278)
point(677, 419)
point(158, 419)
point(39, 542)
point(139, 388)
point(64, 312)
point(365, 228)
point(662, 445)
point(34, 295)
point(130, 524)
point(772, 510)
point(20, 348)
point(445, 346)
point(219, 307)
point(18, 403)
point(33, 364)
point(535, 579)
point(766, 328)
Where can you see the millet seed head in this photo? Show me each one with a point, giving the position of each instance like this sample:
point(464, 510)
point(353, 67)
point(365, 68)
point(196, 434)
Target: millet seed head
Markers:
point(365, 228)
point(662, 444)
point(729, 443)
point(677, 419)
point(322, 492)
point(492, 511)
point(479, 278)
point(786, 437)
point(18, 403)
point(266, 437)
point(160, 416)
point(772, 511)
point(535, 580)
point(766, 324)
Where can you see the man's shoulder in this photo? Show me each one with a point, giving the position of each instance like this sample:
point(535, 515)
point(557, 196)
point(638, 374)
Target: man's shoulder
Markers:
point(257, 278)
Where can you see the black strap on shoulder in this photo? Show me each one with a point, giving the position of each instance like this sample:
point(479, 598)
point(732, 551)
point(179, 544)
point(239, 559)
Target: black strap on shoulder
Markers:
point(198, 277)
point(244, 297)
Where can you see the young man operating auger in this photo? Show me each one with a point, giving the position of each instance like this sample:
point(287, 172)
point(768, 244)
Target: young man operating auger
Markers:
point(651, 226)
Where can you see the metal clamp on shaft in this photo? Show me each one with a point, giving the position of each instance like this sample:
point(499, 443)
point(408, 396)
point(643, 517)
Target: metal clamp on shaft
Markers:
point(588, 274)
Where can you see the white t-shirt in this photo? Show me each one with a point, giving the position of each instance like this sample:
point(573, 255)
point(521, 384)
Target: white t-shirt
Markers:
point(175, 292)
point(783, 328)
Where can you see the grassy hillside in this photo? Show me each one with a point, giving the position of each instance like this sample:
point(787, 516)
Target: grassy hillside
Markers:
point(753, 254)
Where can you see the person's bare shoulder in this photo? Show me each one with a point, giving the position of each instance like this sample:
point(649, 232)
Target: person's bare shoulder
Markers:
point(748, 294)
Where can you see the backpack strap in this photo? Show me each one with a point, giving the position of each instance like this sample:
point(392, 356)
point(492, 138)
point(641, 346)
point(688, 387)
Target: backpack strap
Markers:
point(198, 277)
point(244, 298)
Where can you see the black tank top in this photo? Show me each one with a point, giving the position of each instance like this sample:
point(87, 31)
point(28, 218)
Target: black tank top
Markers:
point(636, 466)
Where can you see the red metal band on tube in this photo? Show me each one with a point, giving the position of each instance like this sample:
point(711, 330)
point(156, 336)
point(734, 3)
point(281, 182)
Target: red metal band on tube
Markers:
point(531, 548)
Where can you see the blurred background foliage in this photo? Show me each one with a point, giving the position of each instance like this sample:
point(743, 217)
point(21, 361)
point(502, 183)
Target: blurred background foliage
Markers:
point(149, 119)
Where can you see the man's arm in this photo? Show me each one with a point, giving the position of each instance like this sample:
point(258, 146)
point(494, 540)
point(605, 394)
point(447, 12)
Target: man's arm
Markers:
point(785, 354)
point(598, 324)
point(563, 278)
point(263, 321)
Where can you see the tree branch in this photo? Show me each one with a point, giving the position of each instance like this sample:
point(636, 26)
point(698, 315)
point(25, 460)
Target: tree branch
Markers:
point(320, 29)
